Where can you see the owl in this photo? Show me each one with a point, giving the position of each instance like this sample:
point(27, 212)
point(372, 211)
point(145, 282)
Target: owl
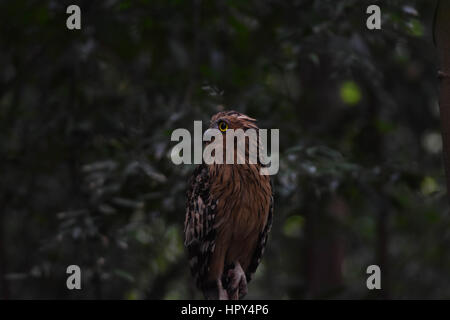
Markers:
point(228, 218)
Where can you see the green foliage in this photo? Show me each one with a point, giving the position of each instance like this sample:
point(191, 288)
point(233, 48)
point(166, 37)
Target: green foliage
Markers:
point(350, 93)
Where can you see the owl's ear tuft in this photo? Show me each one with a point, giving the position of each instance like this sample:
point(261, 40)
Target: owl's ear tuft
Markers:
point(246, 118)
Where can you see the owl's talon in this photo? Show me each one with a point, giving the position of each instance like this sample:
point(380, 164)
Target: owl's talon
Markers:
point(237, 287)
point(243, 287)
point(222, 293)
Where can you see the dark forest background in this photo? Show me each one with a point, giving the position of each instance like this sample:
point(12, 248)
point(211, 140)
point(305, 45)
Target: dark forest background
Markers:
point(85, 124)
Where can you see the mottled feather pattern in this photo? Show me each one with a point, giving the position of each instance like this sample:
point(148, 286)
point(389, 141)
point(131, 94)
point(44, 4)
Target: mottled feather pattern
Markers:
point(259, 252)
point(198, 227)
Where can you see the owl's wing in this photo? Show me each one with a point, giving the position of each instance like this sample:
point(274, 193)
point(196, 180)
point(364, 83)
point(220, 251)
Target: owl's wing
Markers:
point(198, 226)
point(259, 251)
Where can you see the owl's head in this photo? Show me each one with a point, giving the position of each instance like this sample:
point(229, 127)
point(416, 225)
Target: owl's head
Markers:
point(243, 131)
point(232, 120)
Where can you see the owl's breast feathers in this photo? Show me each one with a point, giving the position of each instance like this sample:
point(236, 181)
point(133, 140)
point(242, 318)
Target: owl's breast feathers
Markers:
point(228, 219)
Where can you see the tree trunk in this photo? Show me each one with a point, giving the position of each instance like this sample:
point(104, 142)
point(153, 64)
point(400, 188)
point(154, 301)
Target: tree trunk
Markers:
point(325, 248)
point(442, 39)
point(382, 254)
point(4, 290)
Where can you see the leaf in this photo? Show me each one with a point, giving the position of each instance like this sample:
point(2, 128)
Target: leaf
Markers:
point(124, 275)
point(293, 226)
point(428, 185)
point(415, 28)
point(350, 93)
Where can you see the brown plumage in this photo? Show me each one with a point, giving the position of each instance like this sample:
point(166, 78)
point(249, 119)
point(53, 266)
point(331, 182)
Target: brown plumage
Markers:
point(228, 219)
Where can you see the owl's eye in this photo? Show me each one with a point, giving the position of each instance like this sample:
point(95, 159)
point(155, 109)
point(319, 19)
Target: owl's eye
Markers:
point(223, 126)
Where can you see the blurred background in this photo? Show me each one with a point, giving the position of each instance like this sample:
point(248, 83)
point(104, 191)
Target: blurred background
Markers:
point(85, 124)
